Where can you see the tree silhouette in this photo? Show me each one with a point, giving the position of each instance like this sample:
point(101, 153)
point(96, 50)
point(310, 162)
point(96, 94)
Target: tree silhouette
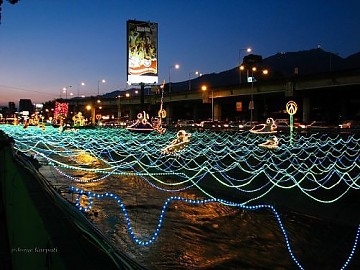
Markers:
point(10, 1)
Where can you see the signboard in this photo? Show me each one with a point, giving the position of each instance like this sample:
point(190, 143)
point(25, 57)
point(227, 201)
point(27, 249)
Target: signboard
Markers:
point(251, 105)
point(142, 52)
point(239, 106)
point(251, 79)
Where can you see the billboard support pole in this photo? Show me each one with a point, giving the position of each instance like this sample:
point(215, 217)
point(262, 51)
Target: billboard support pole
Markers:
point(142, 93)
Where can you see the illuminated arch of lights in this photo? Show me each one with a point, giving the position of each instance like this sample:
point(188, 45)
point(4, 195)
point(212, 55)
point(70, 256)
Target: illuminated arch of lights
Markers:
point(314, 164)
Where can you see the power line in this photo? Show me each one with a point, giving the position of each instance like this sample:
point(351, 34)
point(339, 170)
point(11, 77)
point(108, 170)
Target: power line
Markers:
point(25, 90)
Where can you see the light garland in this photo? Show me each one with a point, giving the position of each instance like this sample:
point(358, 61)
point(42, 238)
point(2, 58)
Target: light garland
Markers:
point(91, 195)
point(314, 164)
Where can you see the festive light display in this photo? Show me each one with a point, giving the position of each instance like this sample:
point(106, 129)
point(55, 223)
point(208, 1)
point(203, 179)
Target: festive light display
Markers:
point(61, 111)
point(182, 140)
point(324, 168)
point(313, 164)
point(151, 240)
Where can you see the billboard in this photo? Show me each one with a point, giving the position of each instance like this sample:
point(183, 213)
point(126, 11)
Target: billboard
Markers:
point(142, 52)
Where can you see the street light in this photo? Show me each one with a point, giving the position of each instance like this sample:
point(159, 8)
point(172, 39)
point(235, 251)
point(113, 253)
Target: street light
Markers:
point(176, 66)
point(119, 106)
point(251, 105)
point(119, 110)
point(204, 88)
point(102, 81)
point(65, 90)
point(248, 50)
point(192, 72)
point(81, 84)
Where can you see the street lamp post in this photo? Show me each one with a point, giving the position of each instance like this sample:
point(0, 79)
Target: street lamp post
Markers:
point(192, 72)
point(127, 95)
point(176, 66)
point(65, 90)
point(204, 88)
point(119, 110)
point(248, 50)
point(251, 105)
point(212, 105)
point(78, 94)
point(78, 90)
point(102, 81)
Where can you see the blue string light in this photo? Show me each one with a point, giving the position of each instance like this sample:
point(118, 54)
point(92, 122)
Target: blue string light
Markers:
point(90, 195)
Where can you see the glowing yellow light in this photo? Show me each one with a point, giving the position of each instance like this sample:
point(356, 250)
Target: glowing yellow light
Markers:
point(204, 87)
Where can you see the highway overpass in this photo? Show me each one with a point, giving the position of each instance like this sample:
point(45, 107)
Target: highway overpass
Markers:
point(328, 95)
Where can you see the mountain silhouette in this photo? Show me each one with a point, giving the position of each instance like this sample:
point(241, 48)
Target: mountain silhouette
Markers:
point(280, 65)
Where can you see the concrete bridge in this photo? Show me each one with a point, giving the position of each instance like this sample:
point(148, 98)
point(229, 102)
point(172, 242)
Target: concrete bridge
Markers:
point(327, 96)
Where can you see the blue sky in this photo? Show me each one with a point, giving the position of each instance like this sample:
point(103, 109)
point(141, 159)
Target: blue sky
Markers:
point(46, 45)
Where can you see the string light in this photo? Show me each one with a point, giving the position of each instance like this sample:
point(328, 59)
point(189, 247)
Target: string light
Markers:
point(315, 164)
point(311, 164)
point(146, 242)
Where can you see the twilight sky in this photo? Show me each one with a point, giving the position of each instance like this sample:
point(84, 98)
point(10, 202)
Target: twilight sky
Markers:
point(46, 45)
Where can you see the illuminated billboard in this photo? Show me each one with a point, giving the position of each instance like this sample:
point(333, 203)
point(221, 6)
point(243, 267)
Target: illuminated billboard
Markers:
point(142, 52)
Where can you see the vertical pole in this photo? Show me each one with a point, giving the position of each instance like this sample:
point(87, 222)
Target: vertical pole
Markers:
point(142, 90)
point(212, 105)
point(189, 81)
point(169, 80)
point(93, 119)
point(252, 100)
point(119, 111)
point(240, 66)
point(291, 127)
point(240, 75)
